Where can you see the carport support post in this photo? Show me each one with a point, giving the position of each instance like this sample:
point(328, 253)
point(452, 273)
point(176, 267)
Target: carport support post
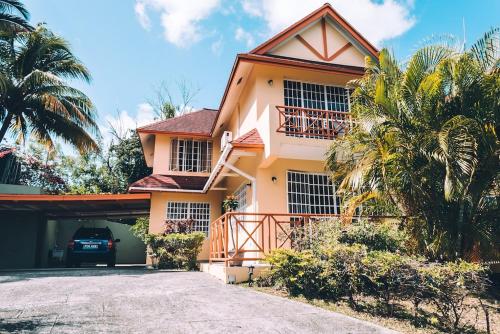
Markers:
point(40, 240)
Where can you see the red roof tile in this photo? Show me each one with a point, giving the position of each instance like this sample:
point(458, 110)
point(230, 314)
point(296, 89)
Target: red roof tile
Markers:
point(196, 123)
point(165, 182)
point(251, 138)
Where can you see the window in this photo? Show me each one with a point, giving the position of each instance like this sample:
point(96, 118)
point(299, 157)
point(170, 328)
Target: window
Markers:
point(325, 103)
point(189, 155)
point(241, 197)
point(311, 193)
point(199, 212)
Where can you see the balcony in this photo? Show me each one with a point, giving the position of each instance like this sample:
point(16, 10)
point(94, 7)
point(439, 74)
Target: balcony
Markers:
point(236, 236)
point(313, 123)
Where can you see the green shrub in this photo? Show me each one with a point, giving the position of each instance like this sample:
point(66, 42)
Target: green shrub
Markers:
point(296, 272)
point(389, 277)
point(176, 250)
point(141, 228)
point(446, 286)
point(376, 236)
point(342, 269)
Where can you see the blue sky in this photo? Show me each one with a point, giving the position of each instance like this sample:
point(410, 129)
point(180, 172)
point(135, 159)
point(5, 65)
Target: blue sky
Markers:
point(131, 46)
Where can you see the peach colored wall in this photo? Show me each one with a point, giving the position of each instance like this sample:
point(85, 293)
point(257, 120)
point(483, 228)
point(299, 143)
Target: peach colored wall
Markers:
point(158, 210)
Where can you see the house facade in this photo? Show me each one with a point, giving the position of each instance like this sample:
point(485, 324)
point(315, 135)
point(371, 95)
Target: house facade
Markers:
point(283, 104)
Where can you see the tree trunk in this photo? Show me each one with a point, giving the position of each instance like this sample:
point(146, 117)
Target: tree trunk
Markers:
point(5, 126)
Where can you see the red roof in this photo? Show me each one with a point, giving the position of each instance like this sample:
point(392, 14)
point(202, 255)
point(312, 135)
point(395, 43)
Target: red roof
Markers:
point(251, 138)
point(6, 151)
point(194, 123)
point(166, 182)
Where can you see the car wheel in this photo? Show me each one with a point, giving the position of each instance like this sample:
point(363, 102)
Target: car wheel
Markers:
point(77, 264)
point(69, 264)
point(112, 262)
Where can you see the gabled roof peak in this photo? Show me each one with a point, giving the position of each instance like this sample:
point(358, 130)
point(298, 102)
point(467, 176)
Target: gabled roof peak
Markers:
point(326, 10)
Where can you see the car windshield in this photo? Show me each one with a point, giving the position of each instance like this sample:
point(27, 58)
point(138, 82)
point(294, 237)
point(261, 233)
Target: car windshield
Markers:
point(92, 233)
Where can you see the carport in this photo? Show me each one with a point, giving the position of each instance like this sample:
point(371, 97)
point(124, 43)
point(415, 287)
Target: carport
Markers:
point(34, 227)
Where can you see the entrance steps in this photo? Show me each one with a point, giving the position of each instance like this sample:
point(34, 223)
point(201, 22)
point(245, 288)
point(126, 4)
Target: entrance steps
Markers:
point(233, 274)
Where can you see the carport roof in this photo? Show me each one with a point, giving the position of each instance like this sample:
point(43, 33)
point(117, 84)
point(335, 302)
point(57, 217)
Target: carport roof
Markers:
point(79, 206)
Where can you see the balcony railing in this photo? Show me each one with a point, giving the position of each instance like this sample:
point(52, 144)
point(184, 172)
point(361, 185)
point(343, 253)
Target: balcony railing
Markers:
point(237, 236)
point(313, 123)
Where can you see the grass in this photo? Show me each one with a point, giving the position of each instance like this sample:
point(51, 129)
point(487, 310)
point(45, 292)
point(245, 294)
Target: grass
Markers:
point(401, 320)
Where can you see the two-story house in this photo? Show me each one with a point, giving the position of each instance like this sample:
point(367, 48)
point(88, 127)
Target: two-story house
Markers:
point(283, 104)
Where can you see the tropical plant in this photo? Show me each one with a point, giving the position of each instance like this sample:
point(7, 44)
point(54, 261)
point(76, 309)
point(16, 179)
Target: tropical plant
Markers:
point(13, 17)
point(426, 140)
point(35, 97)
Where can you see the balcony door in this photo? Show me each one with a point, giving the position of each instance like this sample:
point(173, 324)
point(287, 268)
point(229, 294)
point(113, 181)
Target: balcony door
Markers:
point(315, 110)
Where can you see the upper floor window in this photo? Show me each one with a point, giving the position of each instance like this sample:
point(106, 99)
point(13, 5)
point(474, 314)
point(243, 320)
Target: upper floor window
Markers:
point(314, 110)
point(190, 155)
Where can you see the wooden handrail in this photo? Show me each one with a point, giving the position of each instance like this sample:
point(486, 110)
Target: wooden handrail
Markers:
point(313, 123)
point(235, 234)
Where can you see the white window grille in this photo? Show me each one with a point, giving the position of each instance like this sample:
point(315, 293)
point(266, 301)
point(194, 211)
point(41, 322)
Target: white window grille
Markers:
point(189, 155)
point(312, 123)
point(312, 193)
point(241, 196)
point(199, 212)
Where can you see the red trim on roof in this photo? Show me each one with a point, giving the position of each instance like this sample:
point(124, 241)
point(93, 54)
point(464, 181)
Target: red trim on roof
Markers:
point(325, 10)
point(165, 182)
point(249, 139)
point(6, 152)
point(72, 198)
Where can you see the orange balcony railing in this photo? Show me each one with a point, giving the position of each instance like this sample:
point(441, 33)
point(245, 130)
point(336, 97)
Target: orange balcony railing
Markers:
point(237, 236)
point(313, 123)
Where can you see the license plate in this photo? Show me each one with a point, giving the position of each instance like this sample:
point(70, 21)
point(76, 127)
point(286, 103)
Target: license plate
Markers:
point(90, 246)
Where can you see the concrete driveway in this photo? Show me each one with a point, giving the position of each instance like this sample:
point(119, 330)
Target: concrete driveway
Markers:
point(137, 300)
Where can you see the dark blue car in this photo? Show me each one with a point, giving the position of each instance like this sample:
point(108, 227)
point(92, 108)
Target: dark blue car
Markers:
point(90, 244)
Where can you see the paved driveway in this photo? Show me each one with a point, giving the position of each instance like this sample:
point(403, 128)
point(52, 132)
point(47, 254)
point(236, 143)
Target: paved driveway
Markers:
point(141, 301)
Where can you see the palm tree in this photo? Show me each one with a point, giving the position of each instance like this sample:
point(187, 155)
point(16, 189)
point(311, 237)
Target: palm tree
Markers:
point(9, 21)
point(35, 99)
point(427, 142)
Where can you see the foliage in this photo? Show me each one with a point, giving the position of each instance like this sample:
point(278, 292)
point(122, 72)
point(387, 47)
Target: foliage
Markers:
point(141, 228)
point(230, 203)
point(175, 250)
point(296, 272)
point(110, 171)
point(13, 16)
point(389, 276)
point(446, 286)
point(338, 265)
point(376, 236)
point(35, 95)
point(427, 141)
point(342, 271)
point(179, 226)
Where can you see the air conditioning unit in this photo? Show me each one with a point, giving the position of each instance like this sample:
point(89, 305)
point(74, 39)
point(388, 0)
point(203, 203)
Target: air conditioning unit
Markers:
point(227, 137)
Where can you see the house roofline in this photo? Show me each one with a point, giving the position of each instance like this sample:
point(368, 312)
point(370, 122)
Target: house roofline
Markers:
point(324, 10)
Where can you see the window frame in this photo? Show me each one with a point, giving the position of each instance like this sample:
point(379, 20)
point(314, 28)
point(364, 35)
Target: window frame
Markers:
point(191, 159)
point(336, 199)
point(197, 226)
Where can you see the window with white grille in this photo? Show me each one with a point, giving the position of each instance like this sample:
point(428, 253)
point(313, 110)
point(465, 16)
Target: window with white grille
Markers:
point(241, 197)
point(199, 212)
point(189, 155)
point(314, 98)
point(311, 193)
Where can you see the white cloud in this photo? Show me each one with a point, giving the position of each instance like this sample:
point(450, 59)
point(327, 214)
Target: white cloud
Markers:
point(217, 46)
point(244, 36)
point(377, 21)
point(122, 122)
point(180, 18)
point(142, 16)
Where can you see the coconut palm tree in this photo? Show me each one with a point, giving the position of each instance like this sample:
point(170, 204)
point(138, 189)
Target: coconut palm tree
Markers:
point(427, 142)
point(36, 99)
point(13, 16)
